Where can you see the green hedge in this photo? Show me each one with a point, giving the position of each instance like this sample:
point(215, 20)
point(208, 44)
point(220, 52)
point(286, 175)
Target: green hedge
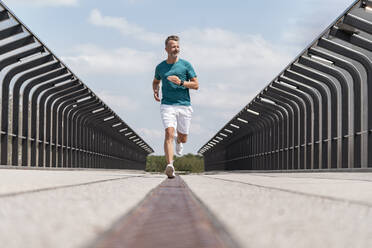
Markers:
point(188, 163)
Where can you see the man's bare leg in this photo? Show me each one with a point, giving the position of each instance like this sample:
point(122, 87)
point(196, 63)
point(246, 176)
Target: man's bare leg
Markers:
point(181, 138)
point(168, 144)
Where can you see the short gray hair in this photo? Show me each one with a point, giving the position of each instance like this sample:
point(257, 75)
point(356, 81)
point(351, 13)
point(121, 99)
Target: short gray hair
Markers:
point(172, 37)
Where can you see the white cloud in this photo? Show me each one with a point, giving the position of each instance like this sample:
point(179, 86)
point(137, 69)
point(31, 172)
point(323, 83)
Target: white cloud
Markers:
point(222, 99)
point(46, 2)
point(119, 103)
point(150, 134)
point(208, 48)
point(232, 67)
point(91, 59)
point(298, 36)
point(218, 48)
point(237, 62)
point(124, 27)
point(301, 30)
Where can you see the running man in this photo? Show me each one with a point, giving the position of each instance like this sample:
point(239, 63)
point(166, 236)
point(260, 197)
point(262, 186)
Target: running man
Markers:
point(177, 76)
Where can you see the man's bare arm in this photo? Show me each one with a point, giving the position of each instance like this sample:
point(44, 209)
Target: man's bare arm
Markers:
point(192, 84)
point(155, 88)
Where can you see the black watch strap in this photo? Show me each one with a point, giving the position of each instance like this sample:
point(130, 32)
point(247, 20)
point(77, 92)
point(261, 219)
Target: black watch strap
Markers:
point(181, 84)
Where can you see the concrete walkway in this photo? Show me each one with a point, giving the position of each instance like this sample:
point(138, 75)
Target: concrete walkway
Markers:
point(72, 208)
point(290, 210)
point(64, 208)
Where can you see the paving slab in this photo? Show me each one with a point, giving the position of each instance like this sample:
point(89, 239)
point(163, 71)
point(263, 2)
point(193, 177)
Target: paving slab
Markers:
point(290, 209)
point(350, 187)
point(16, 181)
point(62, 208)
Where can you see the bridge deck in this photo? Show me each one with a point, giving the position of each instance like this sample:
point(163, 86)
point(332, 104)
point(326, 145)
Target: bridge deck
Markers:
point(65, 208)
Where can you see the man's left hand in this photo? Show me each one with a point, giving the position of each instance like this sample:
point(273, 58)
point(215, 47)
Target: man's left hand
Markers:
point(174, 79)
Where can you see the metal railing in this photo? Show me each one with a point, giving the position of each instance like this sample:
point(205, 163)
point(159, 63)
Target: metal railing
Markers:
point(316, 114)
point(49, 118)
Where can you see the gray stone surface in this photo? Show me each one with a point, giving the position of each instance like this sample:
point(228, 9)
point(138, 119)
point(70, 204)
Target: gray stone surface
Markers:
point(71, 208)
point(15, 181)
point(290, 209)
point(62, 208)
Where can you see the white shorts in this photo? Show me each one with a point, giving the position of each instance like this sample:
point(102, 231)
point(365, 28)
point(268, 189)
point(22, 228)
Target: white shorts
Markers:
point(176, 116)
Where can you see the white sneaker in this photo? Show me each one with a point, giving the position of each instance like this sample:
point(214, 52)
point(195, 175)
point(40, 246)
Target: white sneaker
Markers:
point(169, 171)
point(179, 148)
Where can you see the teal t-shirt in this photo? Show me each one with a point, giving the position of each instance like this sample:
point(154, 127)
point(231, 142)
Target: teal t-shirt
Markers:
point(172, 93)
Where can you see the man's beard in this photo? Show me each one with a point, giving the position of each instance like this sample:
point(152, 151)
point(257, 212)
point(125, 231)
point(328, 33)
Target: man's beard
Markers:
point(175, 55)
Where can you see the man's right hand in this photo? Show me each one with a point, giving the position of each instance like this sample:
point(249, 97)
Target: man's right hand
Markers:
point(156, 95)
point(155, 88)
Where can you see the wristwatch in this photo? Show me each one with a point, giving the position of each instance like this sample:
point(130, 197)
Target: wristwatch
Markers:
point(181, 84)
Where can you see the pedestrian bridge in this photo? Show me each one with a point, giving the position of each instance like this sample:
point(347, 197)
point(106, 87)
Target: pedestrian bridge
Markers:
point(292, 169)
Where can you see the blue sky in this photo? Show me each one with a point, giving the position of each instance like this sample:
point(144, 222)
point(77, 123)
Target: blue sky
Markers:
point(236, 47)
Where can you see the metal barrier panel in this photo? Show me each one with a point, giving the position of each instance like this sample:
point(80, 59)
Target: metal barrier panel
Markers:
point(49, 117)
point(316, 114)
